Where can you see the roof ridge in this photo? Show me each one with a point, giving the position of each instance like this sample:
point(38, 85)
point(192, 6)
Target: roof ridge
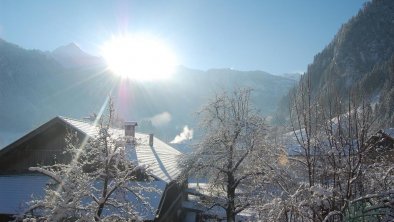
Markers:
point(90, 122)
point(75, 119)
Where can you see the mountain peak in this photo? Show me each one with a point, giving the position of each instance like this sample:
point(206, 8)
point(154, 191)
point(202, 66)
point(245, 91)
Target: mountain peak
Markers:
point(71, 55)
point(71, 49)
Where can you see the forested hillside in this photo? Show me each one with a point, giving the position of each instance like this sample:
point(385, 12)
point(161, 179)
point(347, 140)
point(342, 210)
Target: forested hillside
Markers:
point(358, 61)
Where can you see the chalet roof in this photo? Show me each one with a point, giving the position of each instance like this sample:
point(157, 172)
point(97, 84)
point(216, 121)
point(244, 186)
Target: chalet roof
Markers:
point(161, 159)
point(18, 190)
point(389, 132)
point(194, 203)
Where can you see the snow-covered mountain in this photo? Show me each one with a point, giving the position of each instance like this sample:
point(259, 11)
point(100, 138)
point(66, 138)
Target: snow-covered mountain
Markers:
point(36, 86)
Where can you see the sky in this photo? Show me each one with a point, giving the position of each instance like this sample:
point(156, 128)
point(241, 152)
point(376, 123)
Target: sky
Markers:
point(276, 36)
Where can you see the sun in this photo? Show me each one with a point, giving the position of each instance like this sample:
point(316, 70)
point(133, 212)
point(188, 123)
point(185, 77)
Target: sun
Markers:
point(139, 57)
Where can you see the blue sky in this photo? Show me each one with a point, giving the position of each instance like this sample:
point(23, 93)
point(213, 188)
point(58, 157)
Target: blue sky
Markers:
point(277, 36)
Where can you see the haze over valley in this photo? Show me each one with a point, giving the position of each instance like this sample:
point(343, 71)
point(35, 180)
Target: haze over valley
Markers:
point(72, 83)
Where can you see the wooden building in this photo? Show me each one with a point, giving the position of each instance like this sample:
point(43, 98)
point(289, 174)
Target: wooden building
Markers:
point(44, 146)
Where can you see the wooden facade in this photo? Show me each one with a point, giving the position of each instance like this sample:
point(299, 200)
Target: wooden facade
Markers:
point(43, 146)
point(171, 203)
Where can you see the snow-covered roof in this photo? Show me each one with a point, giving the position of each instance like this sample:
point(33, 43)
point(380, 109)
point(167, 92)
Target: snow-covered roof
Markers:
point(292, 147)
point(390, 132)
point(161, 159)
point(152, 194)
point(194, 203)
point(17, 190)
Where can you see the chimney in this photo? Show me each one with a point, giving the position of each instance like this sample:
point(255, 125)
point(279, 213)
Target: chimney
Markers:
point(129, 129)
point(151, 139)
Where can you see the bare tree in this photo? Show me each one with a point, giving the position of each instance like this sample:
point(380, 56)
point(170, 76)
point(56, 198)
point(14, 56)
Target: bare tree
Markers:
point(305, 122)
point(334, 160)
point(231, 152)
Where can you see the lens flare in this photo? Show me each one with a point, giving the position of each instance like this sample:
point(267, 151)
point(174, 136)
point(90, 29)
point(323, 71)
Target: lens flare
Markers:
point(139, 57)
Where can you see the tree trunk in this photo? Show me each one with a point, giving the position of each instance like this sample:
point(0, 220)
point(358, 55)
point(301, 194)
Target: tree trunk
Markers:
point(101, 205)
point(104, 194)
point(230, 210)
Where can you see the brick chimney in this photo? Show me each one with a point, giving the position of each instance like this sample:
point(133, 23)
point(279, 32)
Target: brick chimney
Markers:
point(129, 129)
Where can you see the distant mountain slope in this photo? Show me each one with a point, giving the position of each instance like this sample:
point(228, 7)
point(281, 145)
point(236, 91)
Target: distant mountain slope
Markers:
point(363, 42)
point(36, 86)
point(27, 78)
point(360, 57)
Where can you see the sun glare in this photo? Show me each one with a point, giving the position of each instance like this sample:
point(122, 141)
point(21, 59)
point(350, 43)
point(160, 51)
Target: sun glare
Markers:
point(139, 57)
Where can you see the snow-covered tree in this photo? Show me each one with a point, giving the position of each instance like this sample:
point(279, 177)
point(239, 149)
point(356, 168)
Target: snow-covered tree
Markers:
point(232, 153)
point(99, 184)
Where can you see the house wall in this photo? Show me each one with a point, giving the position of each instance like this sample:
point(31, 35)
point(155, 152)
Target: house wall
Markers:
point(45, 148)
point(6, 218)
point(171, 205)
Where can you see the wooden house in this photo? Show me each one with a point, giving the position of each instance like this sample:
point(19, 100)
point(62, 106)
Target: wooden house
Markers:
point(44, 146)
point(380, 146)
